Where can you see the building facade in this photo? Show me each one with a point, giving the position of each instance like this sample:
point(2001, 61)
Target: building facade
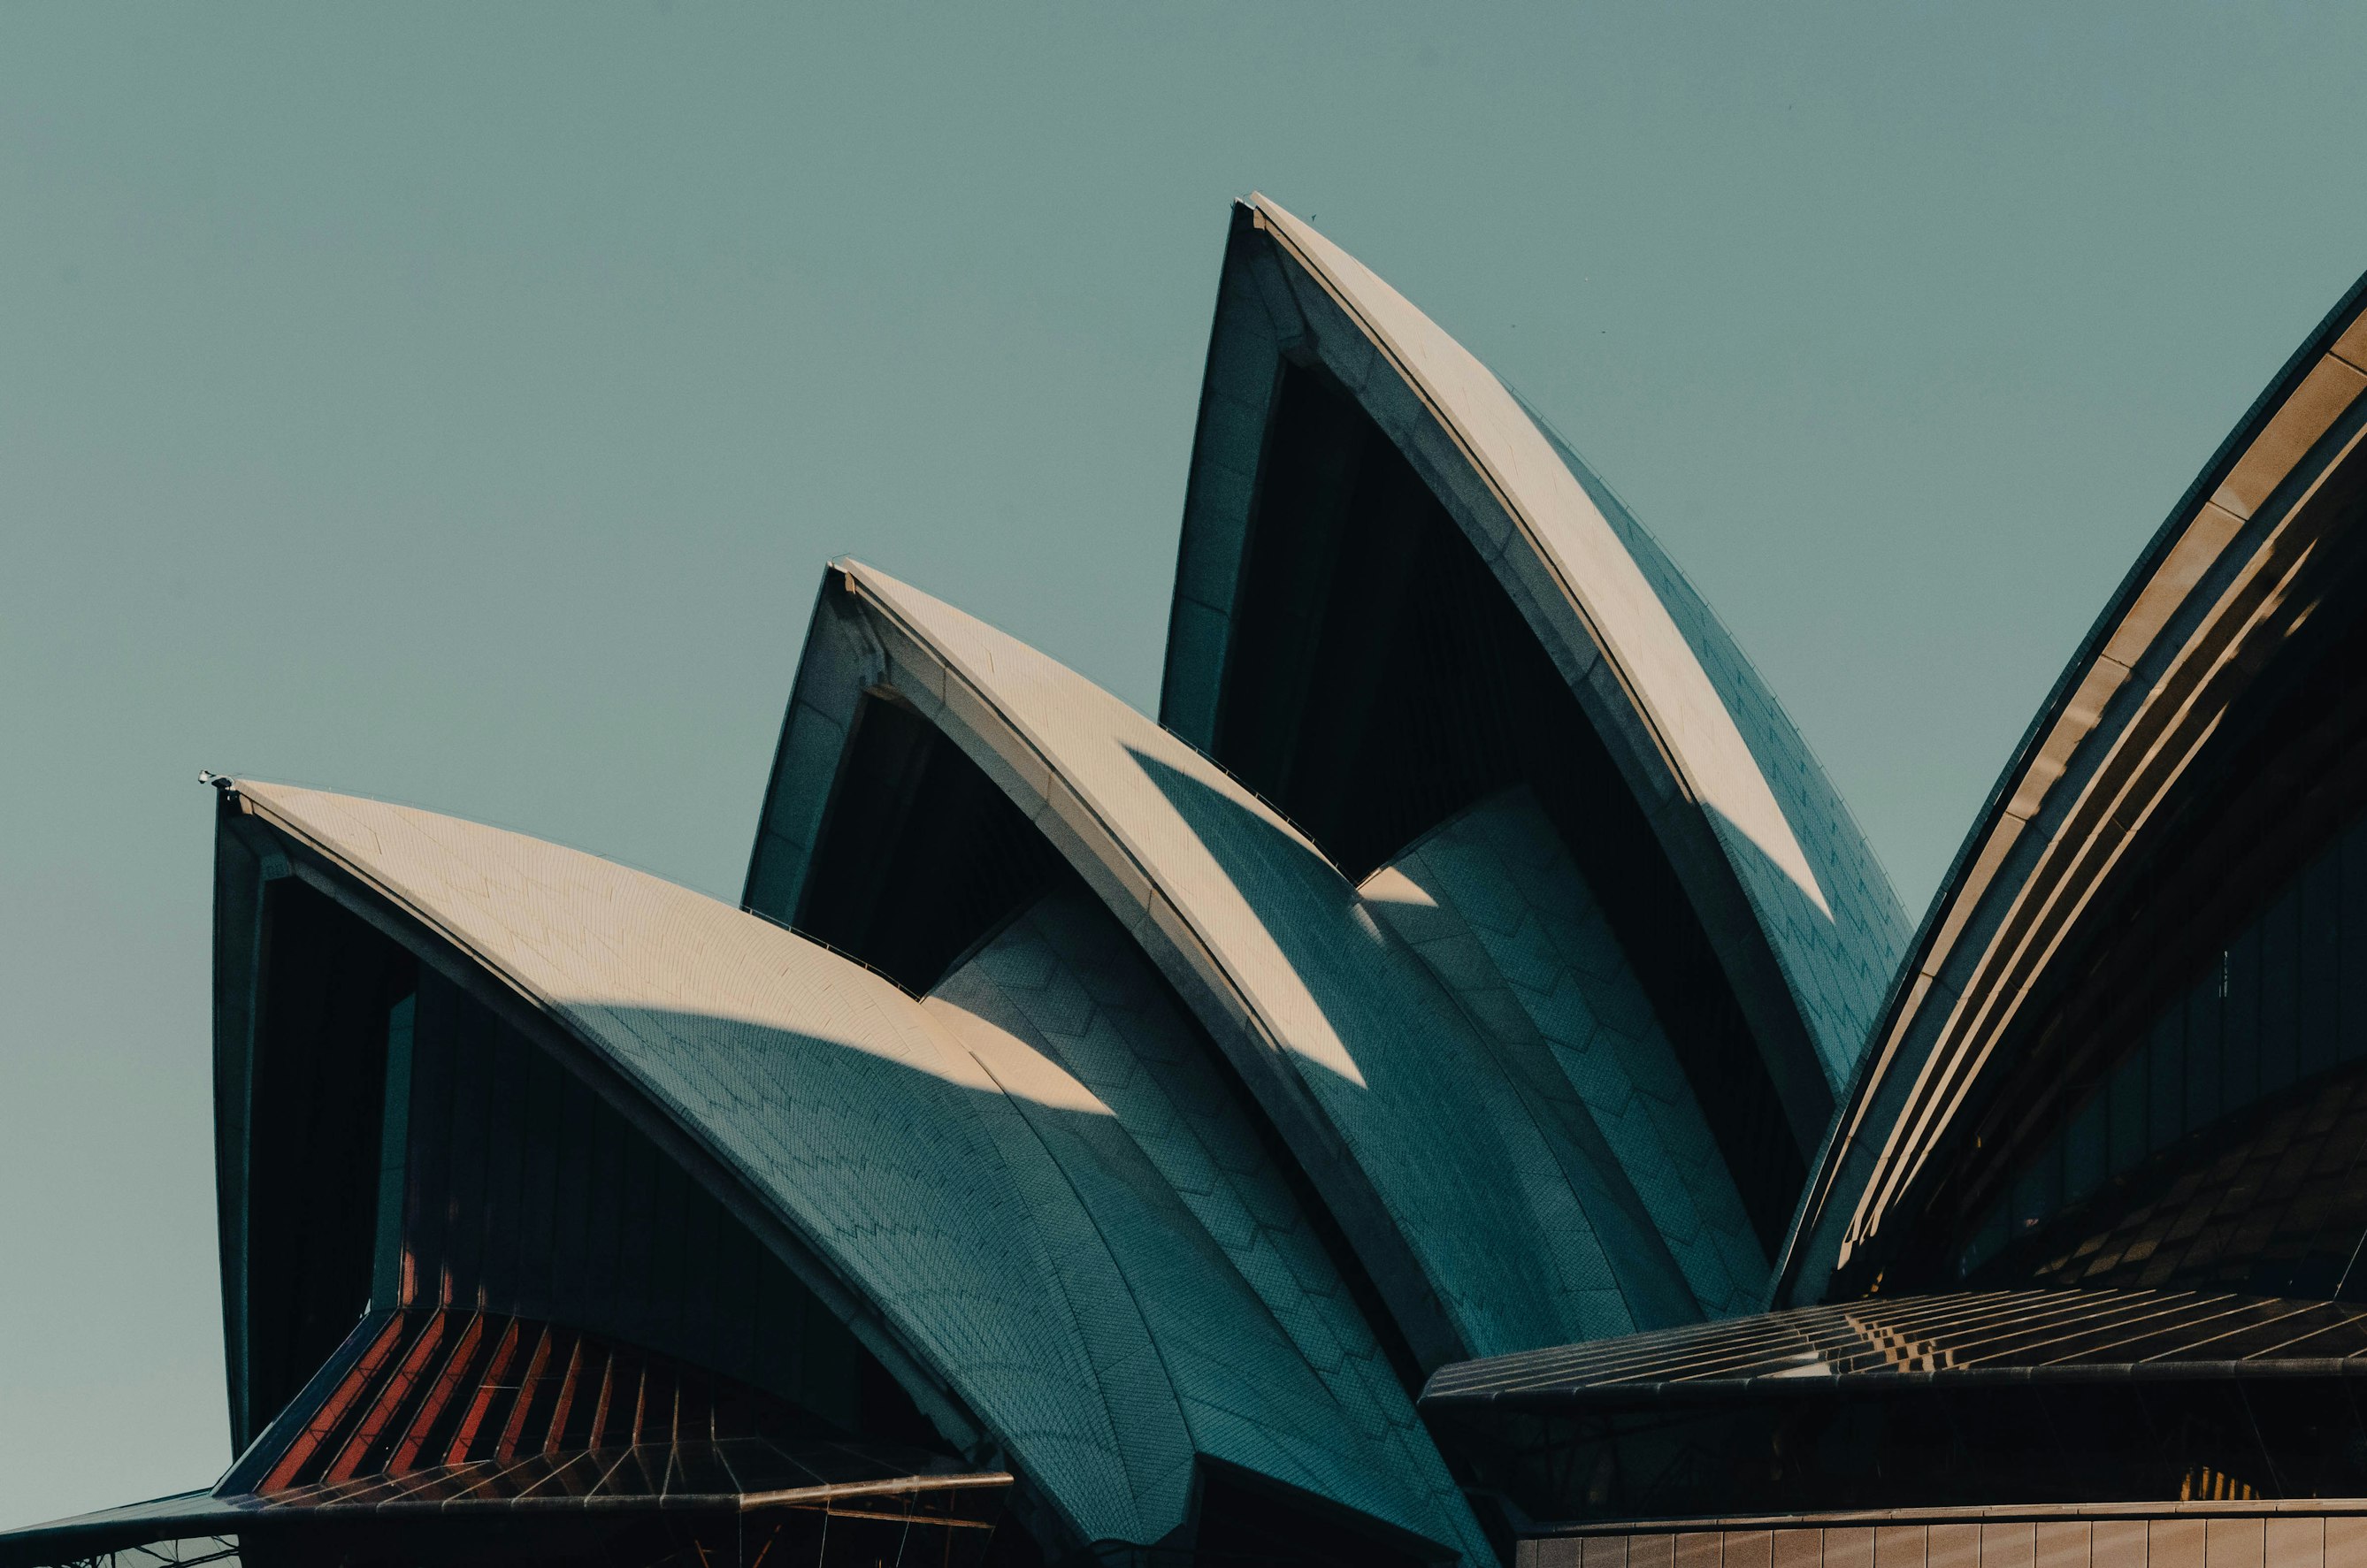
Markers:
point(1365, 1114)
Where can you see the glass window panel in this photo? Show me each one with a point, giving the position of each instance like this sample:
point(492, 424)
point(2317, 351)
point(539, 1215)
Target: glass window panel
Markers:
point(2351, 1016)
point(1987, 1237)
point(2167, 1070)
point(2280, 1023)
point(2205, 1006)
point(2086, 1149)
point(2321, 963)
point(2240, 1044)
point(2038, 1190)
point(2128, 1124)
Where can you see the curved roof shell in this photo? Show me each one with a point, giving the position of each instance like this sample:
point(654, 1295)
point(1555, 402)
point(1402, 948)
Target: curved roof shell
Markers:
point(1472, 1182)
point(970, 1198)
point(1802, 917)
point(1064, 979)
point(1493, 904)
point(2227, 585)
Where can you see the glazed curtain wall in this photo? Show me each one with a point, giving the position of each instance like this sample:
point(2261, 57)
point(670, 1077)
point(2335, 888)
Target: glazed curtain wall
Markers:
point(2283, 1003)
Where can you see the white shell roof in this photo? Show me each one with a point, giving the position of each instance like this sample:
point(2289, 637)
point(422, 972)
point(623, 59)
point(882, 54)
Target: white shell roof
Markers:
point(1603, 581)
point(1512, 1208)
point(976, 1193)
point(1626, 630)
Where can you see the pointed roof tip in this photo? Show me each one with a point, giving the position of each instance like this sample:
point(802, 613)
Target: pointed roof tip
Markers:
point(1274, 214)
point(855, 575)
point(909, 598)
point(857, 568)
point(1267, 207)
point(863, 573)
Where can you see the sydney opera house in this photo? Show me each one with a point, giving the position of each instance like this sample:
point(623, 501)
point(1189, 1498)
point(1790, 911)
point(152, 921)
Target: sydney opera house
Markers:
point(1456, 1087)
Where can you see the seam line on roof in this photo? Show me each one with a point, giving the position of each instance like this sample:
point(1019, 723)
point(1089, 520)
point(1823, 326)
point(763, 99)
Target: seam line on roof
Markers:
point(1017, 1104)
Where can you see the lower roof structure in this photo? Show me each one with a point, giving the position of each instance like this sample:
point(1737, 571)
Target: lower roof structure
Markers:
point(2017, 1336)
point(469, 1436)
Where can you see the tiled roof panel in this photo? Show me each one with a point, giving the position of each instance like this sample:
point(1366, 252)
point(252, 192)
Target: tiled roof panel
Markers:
point(981, 1196)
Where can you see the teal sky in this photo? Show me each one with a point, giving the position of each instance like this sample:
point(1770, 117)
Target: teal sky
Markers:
point(457, 405)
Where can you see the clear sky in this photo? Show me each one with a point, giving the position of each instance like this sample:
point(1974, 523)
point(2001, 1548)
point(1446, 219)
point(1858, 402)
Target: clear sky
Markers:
point(458, 404)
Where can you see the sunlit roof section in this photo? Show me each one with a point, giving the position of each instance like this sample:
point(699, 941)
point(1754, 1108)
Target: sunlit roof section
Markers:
point(975, 1194)
point(1481, 1198)
point(1781, 879)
